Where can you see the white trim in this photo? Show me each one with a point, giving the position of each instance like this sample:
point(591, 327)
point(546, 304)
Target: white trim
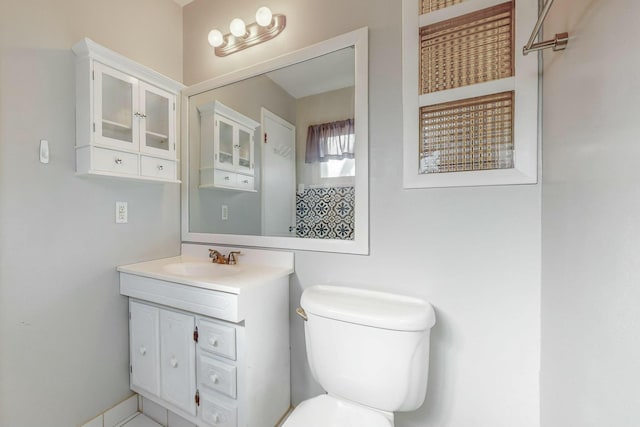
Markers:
point(467, 6)
point(465, 92)
point(219, 107)
point(525, 85)
point(89, 48)
point(360, 243)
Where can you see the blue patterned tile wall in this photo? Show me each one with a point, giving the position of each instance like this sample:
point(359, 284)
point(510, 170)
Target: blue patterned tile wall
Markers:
point(325, 213)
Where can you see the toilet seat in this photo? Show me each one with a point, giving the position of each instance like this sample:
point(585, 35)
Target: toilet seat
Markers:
point(328, 411)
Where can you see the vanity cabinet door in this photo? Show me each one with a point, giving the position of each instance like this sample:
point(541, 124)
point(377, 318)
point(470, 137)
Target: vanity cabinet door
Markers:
point(115, 105)
point(177, 360)
point(144, 347)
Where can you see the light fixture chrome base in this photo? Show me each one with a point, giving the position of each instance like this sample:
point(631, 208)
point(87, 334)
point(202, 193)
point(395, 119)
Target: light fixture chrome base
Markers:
point(255, 35)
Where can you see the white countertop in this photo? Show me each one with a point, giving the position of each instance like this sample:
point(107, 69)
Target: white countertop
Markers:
point(231, 278)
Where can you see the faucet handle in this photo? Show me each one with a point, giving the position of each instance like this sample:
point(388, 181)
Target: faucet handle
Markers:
point(233, 257)
point(214, 255)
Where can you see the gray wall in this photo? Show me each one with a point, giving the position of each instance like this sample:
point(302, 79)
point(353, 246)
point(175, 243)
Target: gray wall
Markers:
point(590, 218)
point(63, 324)
point(473, 252)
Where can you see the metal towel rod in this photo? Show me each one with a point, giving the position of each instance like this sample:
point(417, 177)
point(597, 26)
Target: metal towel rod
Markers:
point(558, 43)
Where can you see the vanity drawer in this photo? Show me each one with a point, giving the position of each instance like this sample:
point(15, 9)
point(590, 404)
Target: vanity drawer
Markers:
point(217, 339)
point(115, 161)
point(157, 168)
point(217, 375)
point(215, 413)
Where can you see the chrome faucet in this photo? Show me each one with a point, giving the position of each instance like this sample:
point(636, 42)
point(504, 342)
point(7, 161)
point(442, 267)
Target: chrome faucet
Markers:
point(219, 258)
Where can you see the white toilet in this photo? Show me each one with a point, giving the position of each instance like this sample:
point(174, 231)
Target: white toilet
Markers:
point(369, 351)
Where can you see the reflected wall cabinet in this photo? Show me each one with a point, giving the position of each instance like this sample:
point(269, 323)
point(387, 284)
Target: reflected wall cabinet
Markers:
point(125, 117)
point(227, 148)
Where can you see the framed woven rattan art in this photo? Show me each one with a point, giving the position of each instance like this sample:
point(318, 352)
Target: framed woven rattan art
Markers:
point(470, 103)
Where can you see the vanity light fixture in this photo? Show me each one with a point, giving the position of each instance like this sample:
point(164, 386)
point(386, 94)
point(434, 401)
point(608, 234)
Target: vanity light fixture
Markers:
point(242, 36)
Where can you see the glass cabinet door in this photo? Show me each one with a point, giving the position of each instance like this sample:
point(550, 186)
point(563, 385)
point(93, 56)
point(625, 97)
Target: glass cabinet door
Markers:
point(115, 101)
point(224, 143)
point(156, 124)
point(245, 156)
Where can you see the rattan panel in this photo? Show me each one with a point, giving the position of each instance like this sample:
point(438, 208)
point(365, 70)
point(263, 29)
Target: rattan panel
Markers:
point(431, 5)
point(467, 135)
point(469, 49)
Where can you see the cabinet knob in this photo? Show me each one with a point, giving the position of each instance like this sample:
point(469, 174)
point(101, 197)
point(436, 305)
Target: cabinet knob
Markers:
point(173, 362)
point(143, 350)
point(118, 161)
point(245, 181)
point(213, 342)
point(236, 146)
point(215, 418)
point(213, 378)
point(160, 167)
point(226, 178)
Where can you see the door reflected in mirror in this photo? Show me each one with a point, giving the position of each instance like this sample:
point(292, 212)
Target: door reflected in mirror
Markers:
point(276, 155)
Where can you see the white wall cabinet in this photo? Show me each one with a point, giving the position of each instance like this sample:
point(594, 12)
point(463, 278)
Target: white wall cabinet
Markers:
point(226, 148)
point(125, 117)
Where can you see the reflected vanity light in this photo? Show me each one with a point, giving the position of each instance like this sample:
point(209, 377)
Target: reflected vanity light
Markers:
point(242, 36)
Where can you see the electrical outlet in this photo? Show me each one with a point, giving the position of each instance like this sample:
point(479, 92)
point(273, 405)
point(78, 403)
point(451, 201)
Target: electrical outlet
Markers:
point(122, 214)
point(225, 212)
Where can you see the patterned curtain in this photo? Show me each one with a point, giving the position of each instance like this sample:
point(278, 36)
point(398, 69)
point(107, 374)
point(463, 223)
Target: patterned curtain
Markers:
point(327, 141)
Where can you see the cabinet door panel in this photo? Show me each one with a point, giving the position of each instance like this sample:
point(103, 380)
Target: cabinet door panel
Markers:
point(144, 347)
point(244, 150)
point(224, 141)
point(157, 125)
point(115, 103)
point(177, 360)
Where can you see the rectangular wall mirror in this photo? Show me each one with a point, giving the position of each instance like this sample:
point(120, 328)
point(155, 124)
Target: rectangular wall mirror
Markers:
point(276, 155)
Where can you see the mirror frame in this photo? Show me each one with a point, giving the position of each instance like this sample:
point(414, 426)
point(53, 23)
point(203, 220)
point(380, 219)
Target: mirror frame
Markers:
point(360, 243)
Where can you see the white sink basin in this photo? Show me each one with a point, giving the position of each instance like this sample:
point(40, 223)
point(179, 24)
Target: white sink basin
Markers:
point(201, 269)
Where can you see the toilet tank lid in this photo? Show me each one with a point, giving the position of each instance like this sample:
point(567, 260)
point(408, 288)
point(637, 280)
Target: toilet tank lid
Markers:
point(368, 308)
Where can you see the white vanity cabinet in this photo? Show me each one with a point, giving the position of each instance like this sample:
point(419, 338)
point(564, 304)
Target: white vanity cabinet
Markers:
point(227, 148)
point(125, 117)
point(213, 350)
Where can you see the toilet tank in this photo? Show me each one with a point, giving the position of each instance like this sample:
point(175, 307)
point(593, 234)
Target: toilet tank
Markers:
point(369, 347)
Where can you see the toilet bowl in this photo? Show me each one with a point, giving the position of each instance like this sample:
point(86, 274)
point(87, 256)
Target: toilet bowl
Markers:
point(369, 350)
point(328, 411)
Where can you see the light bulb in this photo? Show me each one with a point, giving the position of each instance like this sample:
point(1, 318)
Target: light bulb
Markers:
point(237, 27)
point(264, 16)
point(215, 38)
